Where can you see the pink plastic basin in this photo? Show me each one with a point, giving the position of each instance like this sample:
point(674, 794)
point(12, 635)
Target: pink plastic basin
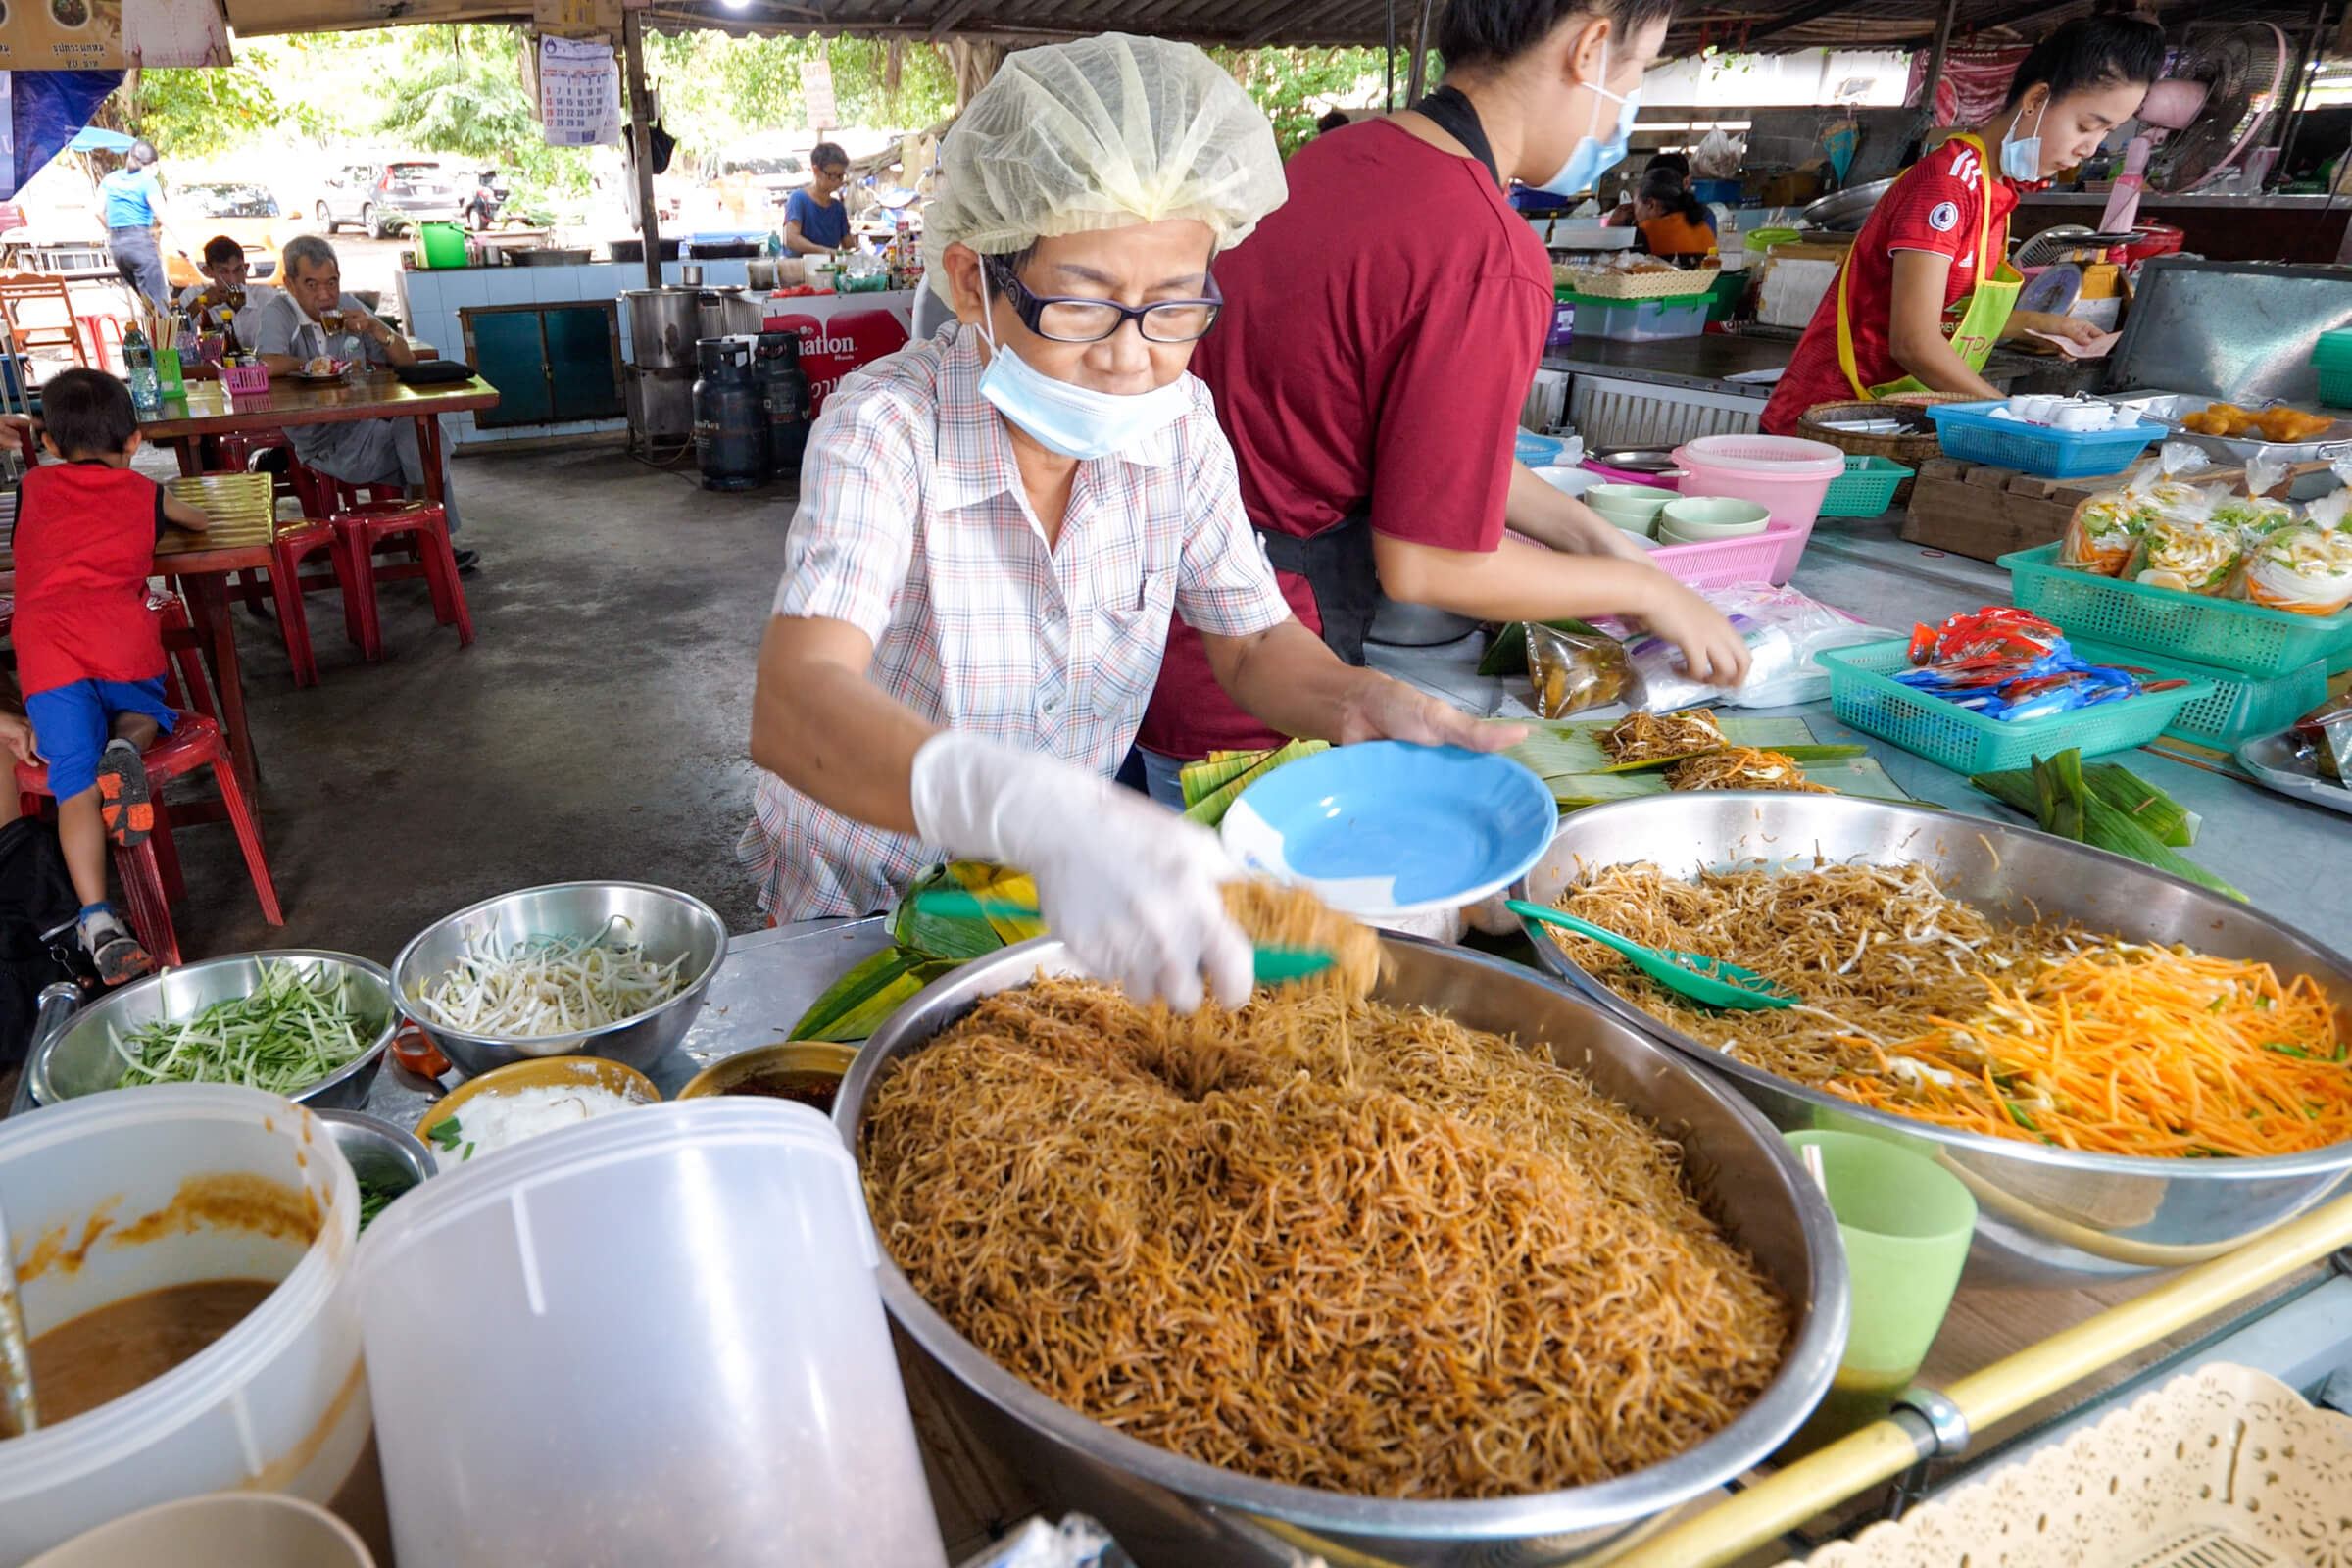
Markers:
point(1787, 475)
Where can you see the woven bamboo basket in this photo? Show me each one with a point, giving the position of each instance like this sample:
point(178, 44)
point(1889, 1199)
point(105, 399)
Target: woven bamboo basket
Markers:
point(1908, 448)
point(1671, 283)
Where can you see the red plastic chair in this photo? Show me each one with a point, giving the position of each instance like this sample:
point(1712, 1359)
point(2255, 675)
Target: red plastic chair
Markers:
point(185, 682)
point(150, 873)
point(421, 523)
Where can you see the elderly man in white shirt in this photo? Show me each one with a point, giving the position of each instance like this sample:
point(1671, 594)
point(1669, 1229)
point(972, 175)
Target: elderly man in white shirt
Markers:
point(289, 335)
point(996, 526)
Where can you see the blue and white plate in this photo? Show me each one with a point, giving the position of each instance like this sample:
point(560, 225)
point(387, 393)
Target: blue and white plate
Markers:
point(1388, 829)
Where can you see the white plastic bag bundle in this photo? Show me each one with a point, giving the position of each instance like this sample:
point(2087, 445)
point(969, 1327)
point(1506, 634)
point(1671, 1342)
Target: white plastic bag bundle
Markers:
point(1718, 157)
point(1783, 629)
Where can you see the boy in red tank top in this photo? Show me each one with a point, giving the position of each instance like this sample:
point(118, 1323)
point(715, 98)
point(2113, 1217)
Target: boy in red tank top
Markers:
point(89, 653)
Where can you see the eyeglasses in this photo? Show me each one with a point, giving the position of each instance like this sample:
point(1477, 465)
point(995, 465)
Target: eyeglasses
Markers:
point(1068, 319)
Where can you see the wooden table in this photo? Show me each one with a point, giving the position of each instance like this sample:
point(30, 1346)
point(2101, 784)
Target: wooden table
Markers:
point(202, 563)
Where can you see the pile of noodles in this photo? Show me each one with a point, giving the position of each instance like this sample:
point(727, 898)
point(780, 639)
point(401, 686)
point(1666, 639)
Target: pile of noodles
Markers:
point(1742, 768)
point(1649, 737)
point(1879, 954)
point(1319, 1240)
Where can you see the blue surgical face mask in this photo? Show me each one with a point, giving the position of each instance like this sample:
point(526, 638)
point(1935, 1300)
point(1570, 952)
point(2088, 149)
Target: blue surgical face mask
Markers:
point(1075, 421)
point(2021, 156)
point(1593, 157)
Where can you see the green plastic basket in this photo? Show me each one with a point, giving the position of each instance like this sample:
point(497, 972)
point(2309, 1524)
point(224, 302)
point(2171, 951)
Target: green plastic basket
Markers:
point(2335, 385)
point(2242, 707)
point(1864, 694)
point(2224, 633)
point(1865, 488)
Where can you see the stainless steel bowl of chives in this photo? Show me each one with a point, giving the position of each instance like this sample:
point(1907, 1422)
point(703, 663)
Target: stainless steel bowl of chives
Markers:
point(308, 1024)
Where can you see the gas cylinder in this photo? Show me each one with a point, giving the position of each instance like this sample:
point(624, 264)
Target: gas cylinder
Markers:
point(730, 422)
point(784, 397)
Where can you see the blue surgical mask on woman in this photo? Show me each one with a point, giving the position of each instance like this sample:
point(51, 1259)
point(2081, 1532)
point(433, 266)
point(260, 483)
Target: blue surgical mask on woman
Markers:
point(1593, 157)
point(1075, 421)
point(2021, 156)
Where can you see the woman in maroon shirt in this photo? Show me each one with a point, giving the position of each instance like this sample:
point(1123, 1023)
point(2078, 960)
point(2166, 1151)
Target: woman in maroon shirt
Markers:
point(1369, 371)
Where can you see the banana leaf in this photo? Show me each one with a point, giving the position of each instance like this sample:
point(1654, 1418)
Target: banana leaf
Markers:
point(1859, 776)
point(1002, 883)
point(1204, 778)
point(856, 1004)
point(1566, 747)
point(1210, 808)
point(936, 936)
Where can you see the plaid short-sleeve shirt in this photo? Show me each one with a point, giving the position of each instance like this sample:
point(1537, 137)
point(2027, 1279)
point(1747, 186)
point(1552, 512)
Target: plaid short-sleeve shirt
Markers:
point(912, 526)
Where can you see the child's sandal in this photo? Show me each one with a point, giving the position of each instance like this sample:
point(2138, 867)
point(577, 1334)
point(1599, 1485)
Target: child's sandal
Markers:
point(125, 803)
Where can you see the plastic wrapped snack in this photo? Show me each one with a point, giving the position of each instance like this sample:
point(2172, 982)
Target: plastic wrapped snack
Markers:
point(2325, 734)
point(1571, 672)
point(2253, 518)
point(2306, 570)
point(2104, 533)
point(2193, 558)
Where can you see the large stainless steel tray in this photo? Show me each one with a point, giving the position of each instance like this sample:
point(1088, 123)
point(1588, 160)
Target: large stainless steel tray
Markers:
point(1165, 1508)
point(2046, 1216)
point(2167, 409)
point(2277, 765)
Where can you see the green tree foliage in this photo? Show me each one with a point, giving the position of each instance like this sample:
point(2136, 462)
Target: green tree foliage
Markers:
point(715, 88)
point(198, 112)
point(1296, 86)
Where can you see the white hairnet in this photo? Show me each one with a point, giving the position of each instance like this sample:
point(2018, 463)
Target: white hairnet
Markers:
point(1102, 133)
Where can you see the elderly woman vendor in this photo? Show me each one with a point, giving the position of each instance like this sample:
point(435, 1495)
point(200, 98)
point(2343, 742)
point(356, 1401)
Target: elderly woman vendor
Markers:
point(996, 526)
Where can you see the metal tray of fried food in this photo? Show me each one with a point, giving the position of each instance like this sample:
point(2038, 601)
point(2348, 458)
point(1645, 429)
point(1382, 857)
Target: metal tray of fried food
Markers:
point(2169, 408)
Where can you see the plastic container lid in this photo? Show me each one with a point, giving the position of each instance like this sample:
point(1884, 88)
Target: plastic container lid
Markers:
point(645, 1329)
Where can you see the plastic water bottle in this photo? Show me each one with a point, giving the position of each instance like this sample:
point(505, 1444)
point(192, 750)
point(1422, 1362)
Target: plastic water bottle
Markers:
point(146, 389)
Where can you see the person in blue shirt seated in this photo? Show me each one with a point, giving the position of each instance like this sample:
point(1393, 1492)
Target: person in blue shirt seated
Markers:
point(134, 215)
point(815, 219)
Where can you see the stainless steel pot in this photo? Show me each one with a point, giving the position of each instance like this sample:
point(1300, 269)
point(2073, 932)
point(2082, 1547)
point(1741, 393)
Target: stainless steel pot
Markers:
point(2045, 1216)
point(1844, 212)
point(78, 1056)
point(1165, 1508)
point(665, 924)
point(663, 326)
point(728, 313)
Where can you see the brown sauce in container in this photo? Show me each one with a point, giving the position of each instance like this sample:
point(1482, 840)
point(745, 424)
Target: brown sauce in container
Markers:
point(104, 1354)
point(816, 1088)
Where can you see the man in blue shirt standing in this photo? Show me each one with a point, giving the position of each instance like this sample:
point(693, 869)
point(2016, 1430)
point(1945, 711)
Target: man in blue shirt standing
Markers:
point(135, 214)
point(815, 219)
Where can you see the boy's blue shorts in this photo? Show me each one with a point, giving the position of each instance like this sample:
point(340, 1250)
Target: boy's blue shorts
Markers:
point(71, 725)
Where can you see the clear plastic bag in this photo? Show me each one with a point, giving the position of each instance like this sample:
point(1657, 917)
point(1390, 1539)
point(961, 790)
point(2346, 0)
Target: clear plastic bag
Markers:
point(1569, 673)
point(1783, 629)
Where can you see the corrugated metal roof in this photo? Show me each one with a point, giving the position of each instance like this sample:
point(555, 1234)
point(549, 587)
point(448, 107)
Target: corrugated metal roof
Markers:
point(1765, 24)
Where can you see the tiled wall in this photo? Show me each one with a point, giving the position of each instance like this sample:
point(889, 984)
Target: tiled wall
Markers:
point(433, 299)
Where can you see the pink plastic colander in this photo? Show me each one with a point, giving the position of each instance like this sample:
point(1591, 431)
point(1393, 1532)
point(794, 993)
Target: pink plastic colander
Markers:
point(1787, 475)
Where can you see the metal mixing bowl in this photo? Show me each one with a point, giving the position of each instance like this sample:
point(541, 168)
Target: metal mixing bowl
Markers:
point(389, 1158)
point(79, 1058)
point(1163, 1507)
point(2045, 1216)
point(664, 922)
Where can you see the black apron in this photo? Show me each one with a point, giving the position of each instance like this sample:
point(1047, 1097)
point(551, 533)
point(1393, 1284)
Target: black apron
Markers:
point(1336, 562)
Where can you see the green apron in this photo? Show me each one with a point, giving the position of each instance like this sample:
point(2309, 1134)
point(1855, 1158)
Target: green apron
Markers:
point(1982, 317)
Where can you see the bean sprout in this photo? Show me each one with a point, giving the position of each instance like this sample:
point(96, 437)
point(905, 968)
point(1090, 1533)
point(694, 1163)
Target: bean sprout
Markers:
point(550, 985)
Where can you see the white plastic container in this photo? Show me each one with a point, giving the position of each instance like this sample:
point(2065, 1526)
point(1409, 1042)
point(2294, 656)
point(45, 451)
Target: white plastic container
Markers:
point(645, 1339)
point(225, 1530)
point(171, 1184)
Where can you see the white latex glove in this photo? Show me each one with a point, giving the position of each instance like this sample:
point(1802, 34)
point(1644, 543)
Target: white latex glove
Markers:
point(1130, 886)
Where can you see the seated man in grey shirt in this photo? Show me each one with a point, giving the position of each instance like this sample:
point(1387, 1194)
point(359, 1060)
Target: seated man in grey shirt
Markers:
point(287, 335)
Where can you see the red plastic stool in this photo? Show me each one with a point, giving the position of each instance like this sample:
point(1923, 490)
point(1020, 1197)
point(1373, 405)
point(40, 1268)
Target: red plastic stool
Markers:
point(185, 681)
point(423, 524)
point(151, 872)
point(97, 330)
point(287, 551)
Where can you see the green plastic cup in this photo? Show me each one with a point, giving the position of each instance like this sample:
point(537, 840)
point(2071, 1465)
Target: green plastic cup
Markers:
point(1906, 1223)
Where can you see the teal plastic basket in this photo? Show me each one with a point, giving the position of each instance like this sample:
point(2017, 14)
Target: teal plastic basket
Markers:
point(1866, 489)
point(2224, 633)
point(2335, 386)
point(1863, 693)
point(2241, 707)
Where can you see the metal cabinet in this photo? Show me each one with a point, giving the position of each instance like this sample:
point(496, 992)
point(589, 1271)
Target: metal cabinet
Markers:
point(553, 363)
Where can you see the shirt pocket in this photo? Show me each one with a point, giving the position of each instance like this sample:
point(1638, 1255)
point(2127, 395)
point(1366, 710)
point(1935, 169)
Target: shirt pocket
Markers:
point(1129, 635)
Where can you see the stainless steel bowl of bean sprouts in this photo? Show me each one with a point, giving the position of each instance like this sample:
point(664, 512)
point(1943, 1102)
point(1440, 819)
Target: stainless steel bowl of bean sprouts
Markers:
point(613, 969)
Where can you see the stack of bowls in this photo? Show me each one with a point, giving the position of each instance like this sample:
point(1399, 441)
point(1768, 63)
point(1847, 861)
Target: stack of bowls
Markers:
point(1704, 520)
point(1631, 506)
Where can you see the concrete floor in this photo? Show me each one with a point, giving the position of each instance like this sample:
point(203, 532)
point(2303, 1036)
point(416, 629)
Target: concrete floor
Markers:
point(598, 727)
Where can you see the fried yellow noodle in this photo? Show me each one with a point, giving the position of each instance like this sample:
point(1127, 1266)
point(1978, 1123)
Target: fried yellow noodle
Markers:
point(1648, 737)
point(1320, 1239)
point(1744, 767)
point(1277, 916)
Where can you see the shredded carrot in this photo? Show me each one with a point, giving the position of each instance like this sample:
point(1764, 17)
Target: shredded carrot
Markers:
point(2134, 1050)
